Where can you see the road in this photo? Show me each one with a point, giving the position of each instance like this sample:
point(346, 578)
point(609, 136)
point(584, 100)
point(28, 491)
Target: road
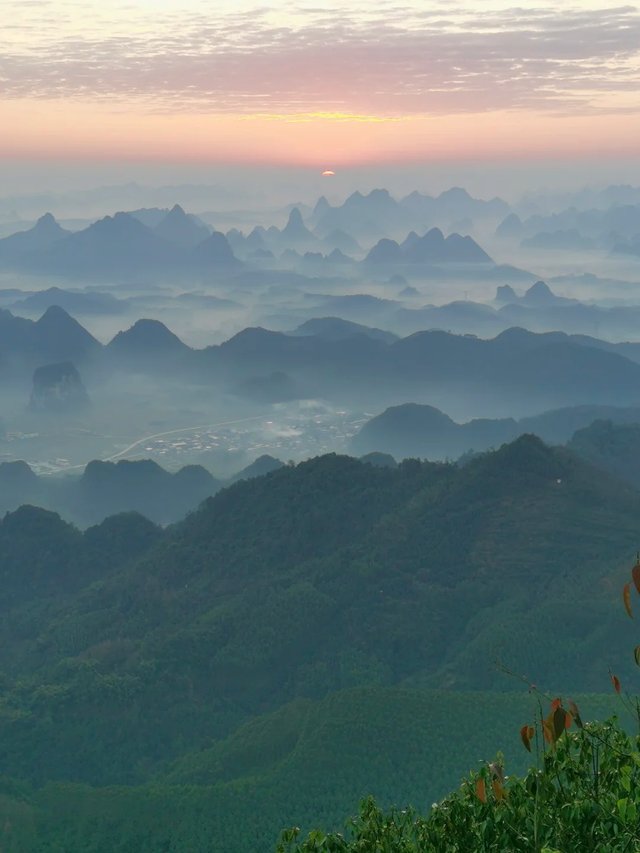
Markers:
point(156, 435)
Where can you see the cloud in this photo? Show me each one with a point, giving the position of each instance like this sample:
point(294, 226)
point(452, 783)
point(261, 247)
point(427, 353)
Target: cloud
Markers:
point(395, 61)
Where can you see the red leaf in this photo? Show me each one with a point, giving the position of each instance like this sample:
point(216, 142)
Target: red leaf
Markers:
point(481, 790)
point(556, 703)
point(616, 683)
point(626, 597)
point(548, 731)
point(526, 733)
point(559, 722)
point(498, 790)
point(635, 574)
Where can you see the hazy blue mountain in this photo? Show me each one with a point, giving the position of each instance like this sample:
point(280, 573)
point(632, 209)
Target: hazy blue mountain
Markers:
point(148, 344)
point(72, 301)
point(385, 251)
point(44, 234)
point(295, 234)
point(57, 336)
point(425, 432)
point(362, 216)
point(342, 241)
point(107, 488)
point(19, 485)
point(453, 204)
point(338, 257)
point(432, 248)
point(182, 229)
point(262, 465)
point(114, 245)
point(214, 252)
point(378, 213)
point(143, 486)
point(614, 447)
point(510, 228)
point(569, 227)
point(568, 241)
point(149, 216)
point(58, 388)
point(334, 328)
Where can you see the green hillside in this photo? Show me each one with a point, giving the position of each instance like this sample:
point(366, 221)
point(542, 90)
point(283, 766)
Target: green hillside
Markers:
point(303, 639)
point(308, 763)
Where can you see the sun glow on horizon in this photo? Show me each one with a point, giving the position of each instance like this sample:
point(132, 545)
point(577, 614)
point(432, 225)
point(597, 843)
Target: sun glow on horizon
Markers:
point(168, 79)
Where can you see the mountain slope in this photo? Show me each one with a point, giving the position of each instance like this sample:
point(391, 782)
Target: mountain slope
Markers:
point(329, 575)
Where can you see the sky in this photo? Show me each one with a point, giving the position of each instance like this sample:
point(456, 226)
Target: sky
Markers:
point(331, 86)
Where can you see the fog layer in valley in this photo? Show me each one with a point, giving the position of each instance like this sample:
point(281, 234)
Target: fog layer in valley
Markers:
point(211, 336)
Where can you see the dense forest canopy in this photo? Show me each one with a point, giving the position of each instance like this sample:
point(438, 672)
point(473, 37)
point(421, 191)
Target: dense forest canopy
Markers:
point(227, 663)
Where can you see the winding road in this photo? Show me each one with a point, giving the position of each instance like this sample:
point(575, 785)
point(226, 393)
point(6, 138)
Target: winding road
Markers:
point(147, 438)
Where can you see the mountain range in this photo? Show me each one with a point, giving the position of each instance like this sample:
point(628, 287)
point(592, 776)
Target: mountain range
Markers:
point(110, 488)
point(117, 245)
point(422, 431)
point(378, 214)
point(532, 371)
point(432, 248)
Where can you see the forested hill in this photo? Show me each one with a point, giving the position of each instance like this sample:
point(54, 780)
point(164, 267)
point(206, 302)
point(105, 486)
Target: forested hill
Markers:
point(329, 575)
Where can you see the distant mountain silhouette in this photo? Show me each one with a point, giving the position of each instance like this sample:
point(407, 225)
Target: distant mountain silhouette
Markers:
point(143, 486)
point(510, 228)
point(54, 337)
point(335, 329)
point(452, 204)
point(18, 485)
point(113, 245)
point(342, 241)
point(74, 302)
point(362, 216)
point(44, 234)
point(378, 214)
point(614, 447)
point(214, 252)
point(57, 332)
point(425, 432)
point(432, 248)
point(262, 465)
point(148, 344)
point(58, 388)
point(569, 241)
point(180, 228)
point(295, 233)
point(385, 251)
point(107, 488)
point(576, 228)
point(539, 295)
point(120, 245)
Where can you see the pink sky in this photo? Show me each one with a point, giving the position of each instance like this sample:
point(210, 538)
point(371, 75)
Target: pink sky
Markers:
point(343, 85)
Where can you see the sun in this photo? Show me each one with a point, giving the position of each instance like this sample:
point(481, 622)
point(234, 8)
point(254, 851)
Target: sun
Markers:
point(328, 173)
